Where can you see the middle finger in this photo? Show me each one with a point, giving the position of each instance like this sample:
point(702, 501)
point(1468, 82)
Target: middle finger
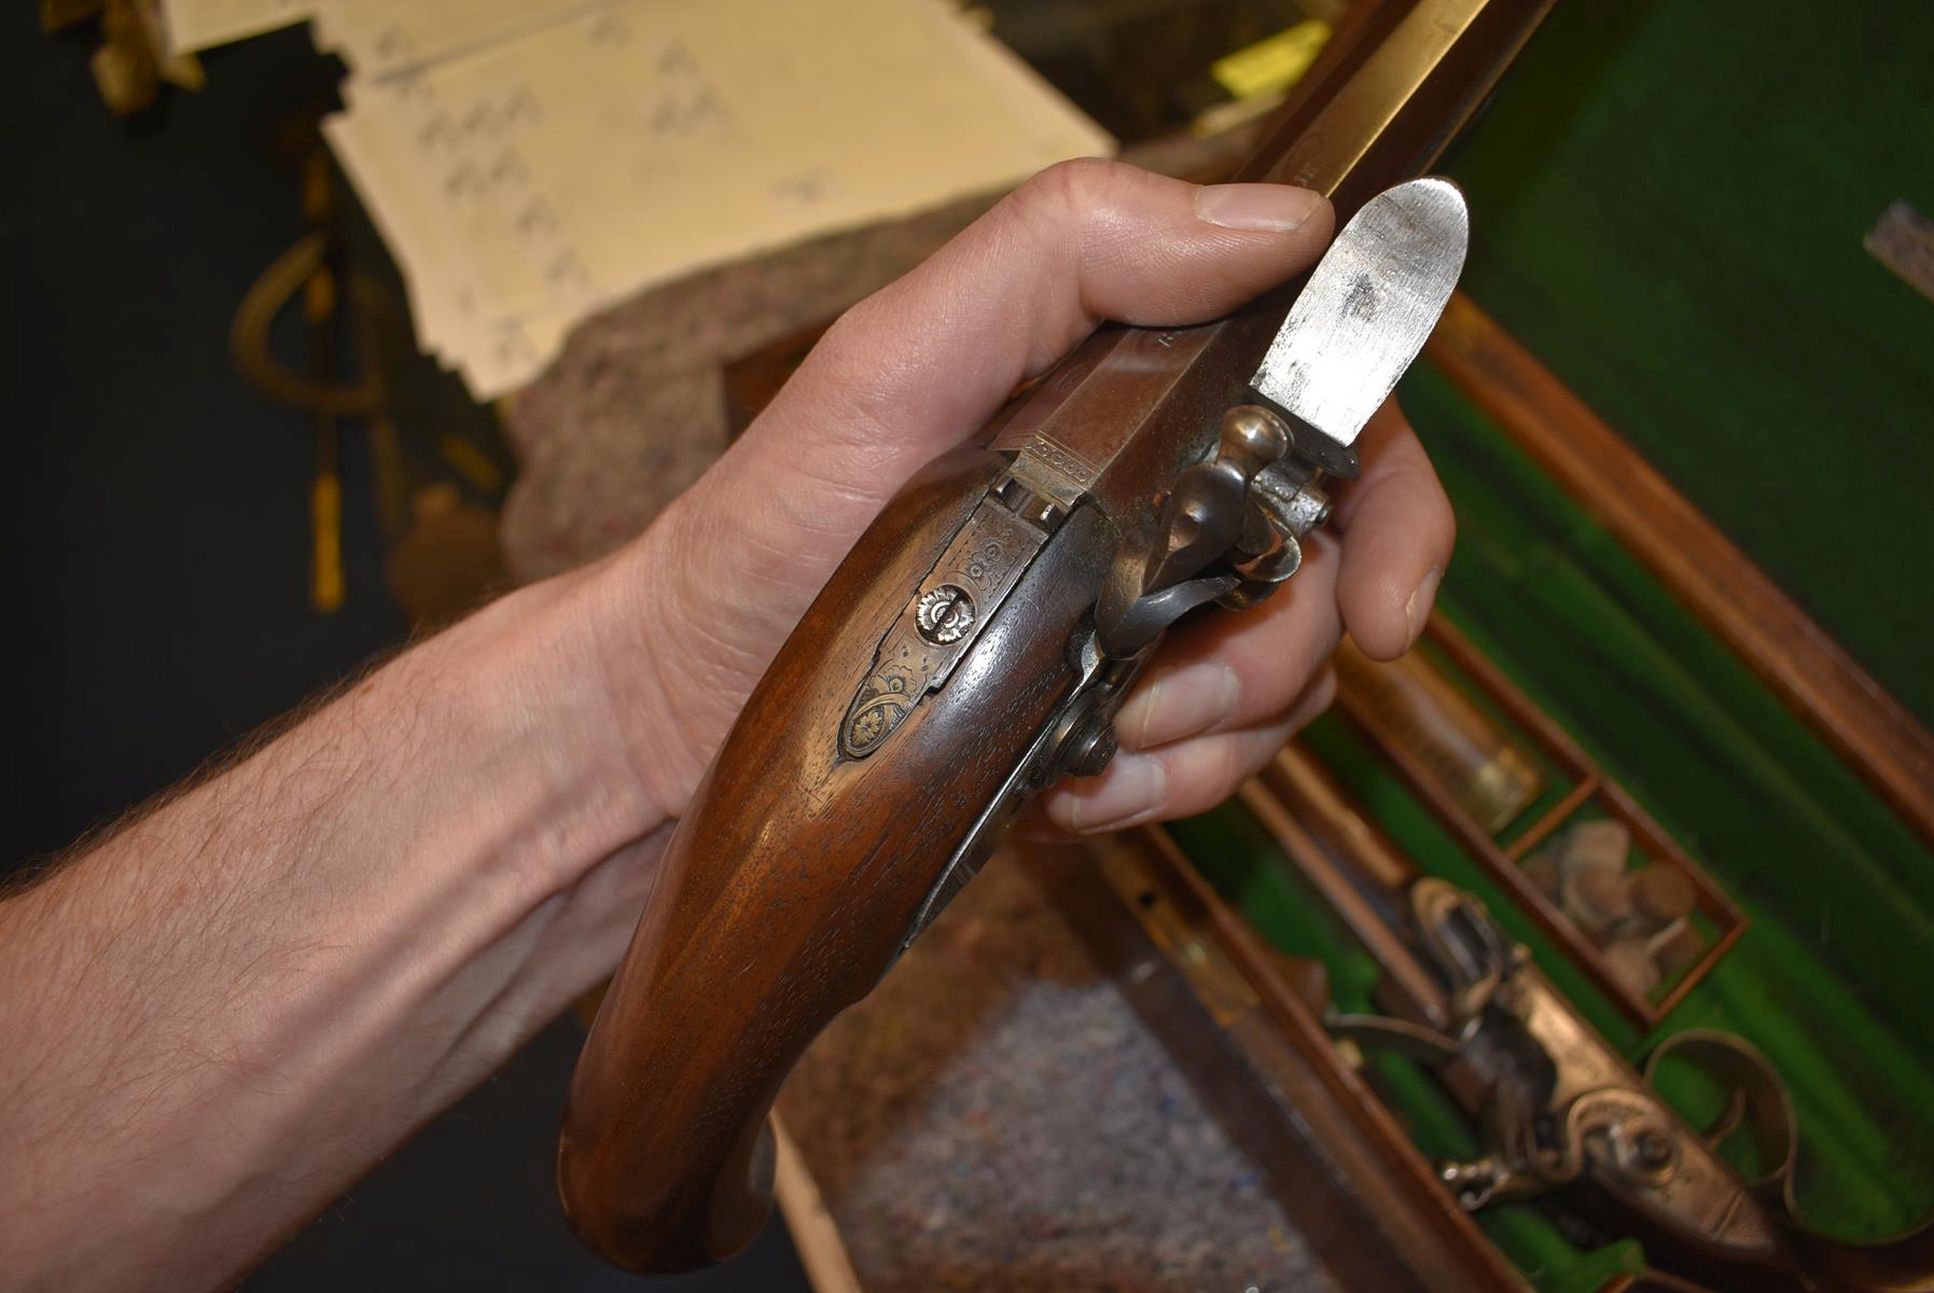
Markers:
point(1227, 671)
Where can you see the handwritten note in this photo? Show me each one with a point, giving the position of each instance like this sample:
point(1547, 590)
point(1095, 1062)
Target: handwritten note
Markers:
point(533, 180)
point(384, 37)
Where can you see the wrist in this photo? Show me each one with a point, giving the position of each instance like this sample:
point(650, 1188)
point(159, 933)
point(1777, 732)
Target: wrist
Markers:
point(675, 677)
point(319, 947)
point(537, 687)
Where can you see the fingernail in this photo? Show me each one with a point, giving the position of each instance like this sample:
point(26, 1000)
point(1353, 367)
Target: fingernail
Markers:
point(1275, 207)
point(1178, 703)
point(1417, 609)
point(1132, 791)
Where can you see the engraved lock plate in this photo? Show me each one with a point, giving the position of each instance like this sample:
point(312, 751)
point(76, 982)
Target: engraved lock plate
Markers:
point(941, 620)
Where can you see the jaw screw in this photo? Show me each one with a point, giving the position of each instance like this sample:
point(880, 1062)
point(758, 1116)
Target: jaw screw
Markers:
point(944, 614)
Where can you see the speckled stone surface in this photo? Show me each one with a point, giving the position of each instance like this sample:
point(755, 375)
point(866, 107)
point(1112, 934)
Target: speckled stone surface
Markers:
point(997, 1116)
point(633, 410)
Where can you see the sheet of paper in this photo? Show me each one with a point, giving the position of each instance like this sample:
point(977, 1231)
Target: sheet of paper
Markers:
point(493, 355)
point(529, 182)
point(379, 38)
point(198, 24)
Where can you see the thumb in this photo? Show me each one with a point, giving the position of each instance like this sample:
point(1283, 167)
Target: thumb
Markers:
point(919, 366)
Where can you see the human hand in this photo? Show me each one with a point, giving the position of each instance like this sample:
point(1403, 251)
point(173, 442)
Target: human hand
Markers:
point(717, 583)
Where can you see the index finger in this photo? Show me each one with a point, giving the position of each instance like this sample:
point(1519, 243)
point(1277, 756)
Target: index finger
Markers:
point(1397, 532)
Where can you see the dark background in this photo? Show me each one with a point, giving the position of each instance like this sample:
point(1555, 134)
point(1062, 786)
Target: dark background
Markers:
point(157, 539)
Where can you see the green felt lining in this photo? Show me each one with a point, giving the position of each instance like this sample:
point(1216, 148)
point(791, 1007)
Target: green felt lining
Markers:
point(1668, 203)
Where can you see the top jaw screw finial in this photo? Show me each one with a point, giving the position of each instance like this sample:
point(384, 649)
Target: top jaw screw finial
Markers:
point(1254, 436)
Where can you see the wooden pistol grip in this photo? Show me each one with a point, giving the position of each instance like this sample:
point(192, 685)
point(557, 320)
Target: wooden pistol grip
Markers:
point(791, 881)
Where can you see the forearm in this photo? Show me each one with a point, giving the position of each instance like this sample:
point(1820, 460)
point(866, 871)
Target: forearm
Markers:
point(219, 1017)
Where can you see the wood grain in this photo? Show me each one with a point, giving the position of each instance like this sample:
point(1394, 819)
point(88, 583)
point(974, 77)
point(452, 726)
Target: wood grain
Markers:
point(790, 882)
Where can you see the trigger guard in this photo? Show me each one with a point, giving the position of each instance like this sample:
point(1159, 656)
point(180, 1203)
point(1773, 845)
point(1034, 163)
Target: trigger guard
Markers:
point(1127, 623)
point(1748, 1076)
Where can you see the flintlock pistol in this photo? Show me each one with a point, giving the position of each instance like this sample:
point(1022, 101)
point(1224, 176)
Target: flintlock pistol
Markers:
point(1566, 1115)
point(1562, 1113)
point(975, 644)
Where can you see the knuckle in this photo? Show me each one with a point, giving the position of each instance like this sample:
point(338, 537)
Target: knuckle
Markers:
point(1218, 771)
point(1325, 689)
point(1320, 695)
point(1067, 190)
point(853, 329)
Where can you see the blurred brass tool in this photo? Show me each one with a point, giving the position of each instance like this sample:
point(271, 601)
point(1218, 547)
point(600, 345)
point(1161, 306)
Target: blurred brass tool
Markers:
point(319, 309)
point(310, 269)
point(1456, 742)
